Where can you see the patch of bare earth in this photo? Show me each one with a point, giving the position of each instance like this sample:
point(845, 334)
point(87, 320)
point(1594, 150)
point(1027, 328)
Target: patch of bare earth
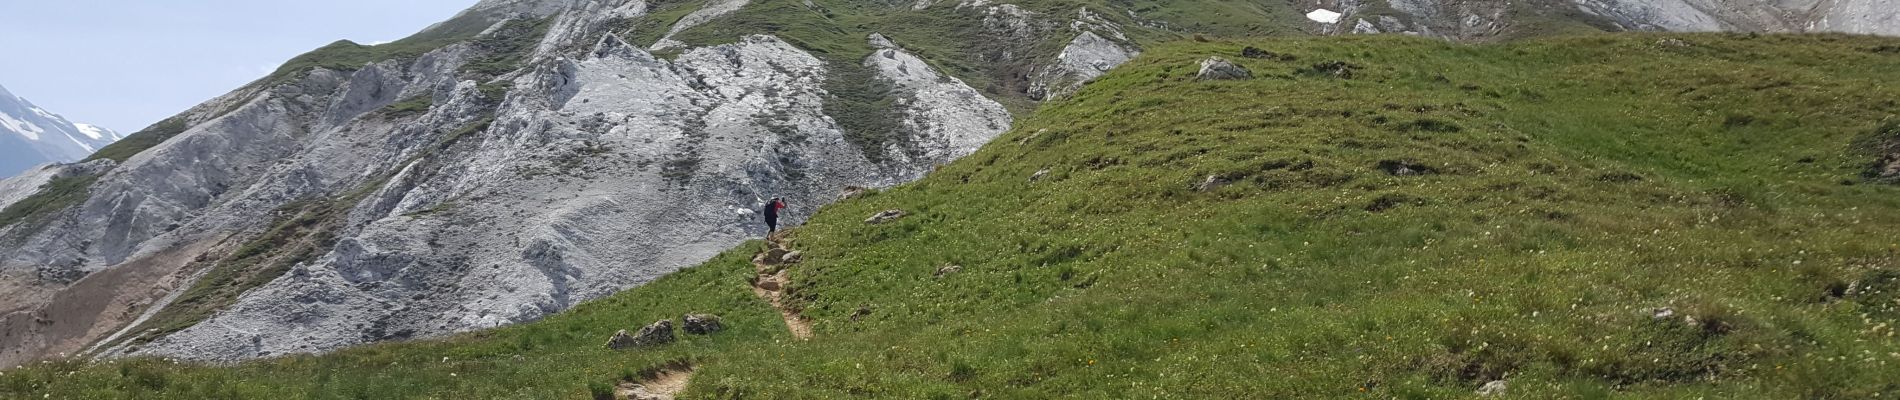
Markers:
point(662, 385)
point(93, 307)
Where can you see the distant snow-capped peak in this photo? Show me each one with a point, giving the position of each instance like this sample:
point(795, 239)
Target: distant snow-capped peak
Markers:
point(30, 136)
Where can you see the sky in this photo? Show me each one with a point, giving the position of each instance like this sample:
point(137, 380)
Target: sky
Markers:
point(125, 64)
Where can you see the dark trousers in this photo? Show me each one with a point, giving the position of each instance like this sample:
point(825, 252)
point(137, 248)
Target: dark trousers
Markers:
point(771, 224)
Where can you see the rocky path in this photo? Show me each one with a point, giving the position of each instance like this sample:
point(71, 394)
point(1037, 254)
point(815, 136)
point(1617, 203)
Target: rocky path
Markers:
point(665, 386)
point(774, 269)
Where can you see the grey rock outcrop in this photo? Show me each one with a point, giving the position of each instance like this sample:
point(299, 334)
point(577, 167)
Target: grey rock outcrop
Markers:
point(1085, 58)
point(620, 340)
point(655, 334)
point(658, 333)
point(701, 324)
point(947, 118)
point(1219, 69)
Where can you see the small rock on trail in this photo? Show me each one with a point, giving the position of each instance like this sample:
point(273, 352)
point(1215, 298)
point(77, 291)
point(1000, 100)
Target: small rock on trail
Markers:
point(1216, 68)
point(775, 256)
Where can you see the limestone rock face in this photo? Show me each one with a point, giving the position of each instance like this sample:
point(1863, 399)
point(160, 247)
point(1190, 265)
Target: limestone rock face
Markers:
point(585, 154)
point(947, 118)
point(1085, 58)
point(596, 168)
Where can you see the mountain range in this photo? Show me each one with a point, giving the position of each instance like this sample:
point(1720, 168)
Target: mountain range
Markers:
point(528, 156)
point(32, 137)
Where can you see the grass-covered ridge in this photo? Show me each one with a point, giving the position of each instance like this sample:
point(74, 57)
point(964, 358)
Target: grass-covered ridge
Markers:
point(1562, 194)
point(55, 195)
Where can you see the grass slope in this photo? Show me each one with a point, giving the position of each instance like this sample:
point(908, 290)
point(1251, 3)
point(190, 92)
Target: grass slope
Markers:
point(1561, 191)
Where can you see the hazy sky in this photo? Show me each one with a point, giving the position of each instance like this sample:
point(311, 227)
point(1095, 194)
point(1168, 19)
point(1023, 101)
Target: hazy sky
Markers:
point(125, 64)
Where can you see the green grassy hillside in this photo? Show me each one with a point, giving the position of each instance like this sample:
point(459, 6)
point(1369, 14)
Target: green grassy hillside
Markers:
point(1639, 216)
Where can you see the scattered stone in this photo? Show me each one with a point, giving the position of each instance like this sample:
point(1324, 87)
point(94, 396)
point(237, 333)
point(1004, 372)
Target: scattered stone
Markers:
point(1336, 69)
point(878, 41)
point(1662, 313)
point(792, 257)
point(1494, 388)
point(1405, 168)
point(1031, 136)
point(701, 324)
point(620, 340)
point(769, 283)
point(1888, 169)
point(1672, 42)
point(949, 269)
point(1212, 183)
point(1038, 175)
point(850, 192)
point(886, 216)
point(862, 312)
point(1216, 68)
point(652, 335)
point(1256, 52)
point(774, 256)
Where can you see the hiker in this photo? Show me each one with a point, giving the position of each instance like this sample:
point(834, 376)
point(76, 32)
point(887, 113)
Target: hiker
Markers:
point(771, 215)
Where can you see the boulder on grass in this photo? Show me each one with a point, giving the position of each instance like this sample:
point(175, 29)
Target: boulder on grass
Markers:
point(652, 335)
point(1219, 69)
point(701, 324)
